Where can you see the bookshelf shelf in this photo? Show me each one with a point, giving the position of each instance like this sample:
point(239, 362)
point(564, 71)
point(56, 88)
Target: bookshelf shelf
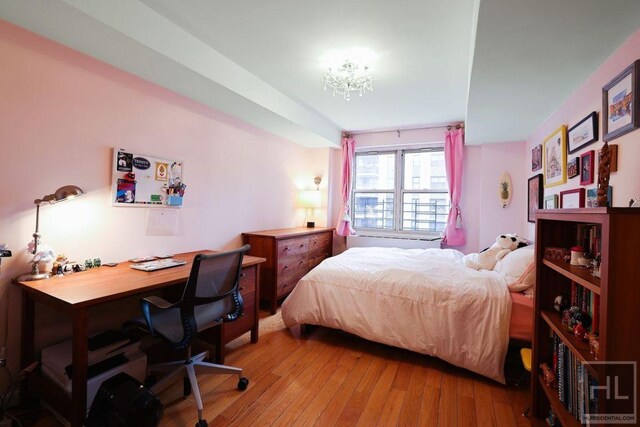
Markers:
point(613, 300)
point(580, 275)
point(566, 419)
point(579, 348)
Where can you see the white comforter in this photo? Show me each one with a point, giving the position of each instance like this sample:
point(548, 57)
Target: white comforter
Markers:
point(422, 300)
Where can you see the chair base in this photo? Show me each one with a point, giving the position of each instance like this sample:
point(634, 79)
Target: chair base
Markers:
point(192, 366)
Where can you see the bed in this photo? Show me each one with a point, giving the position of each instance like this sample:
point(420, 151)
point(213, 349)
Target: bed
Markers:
point(421, 300)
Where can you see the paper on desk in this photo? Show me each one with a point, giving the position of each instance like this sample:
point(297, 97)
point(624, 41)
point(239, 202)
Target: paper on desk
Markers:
point(162, 222)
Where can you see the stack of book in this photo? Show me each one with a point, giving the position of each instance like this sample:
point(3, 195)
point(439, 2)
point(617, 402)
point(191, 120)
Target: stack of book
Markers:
point(589, 237)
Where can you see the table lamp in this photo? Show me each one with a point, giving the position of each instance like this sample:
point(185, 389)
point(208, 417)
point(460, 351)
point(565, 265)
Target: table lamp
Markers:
point(63, 193)
point(309, 199)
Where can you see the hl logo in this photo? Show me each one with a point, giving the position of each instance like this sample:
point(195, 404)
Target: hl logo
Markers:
point(616, 394)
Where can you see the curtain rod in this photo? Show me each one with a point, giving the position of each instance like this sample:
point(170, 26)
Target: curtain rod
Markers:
point(448, 127)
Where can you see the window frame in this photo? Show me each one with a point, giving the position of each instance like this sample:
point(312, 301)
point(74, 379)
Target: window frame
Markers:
point(398, 191)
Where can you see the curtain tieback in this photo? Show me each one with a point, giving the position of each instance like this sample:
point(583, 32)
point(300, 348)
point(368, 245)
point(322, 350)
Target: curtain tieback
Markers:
point(458, 216)
point(345, 216)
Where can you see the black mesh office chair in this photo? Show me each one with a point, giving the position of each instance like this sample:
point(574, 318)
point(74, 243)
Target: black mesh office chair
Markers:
point(210, 297)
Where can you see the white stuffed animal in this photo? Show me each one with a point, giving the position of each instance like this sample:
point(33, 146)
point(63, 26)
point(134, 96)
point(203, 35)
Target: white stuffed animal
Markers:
point(488, 258)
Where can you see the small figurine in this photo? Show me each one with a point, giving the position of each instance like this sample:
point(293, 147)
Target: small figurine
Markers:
point(604, 171)
point(572, 319)
point(594, 345)
point(97, 262)
point(566, 316)
point(88, 263)
point(596, 265)
point(548, 375)
point(561, 303)
point(580, 332)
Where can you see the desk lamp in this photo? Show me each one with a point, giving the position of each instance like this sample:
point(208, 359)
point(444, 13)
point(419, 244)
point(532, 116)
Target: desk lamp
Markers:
point(63, 193)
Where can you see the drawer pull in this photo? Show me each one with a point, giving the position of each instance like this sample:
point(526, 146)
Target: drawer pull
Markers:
point(286, 248)
point(242, 275)
point(302, 245)
point(241, 288)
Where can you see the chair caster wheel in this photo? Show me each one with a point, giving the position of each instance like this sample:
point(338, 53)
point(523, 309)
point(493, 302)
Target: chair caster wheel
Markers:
point(202, 423)
point(243, 384)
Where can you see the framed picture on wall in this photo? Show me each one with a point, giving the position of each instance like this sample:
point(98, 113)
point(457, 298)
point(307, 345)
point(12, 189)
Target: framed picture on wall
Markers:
point(573, 167)
point(586, 167)
point(571, 199)
point(551, 202)
point(620, 112)
point(534, 198)
point(555, 157)
point(536, 158)
point(585, 132)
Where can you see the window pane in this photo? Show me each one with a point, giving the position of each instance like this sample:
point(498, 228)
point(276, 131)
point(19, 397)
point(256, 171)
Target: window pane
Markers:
point(425, 170)
point(425, 211)
point(373, 210)
point(375, 171)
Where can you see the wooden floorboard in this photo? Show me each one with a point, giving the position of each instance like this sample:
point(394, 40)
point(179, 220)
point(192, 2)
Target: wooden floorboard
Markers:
point(332, 378)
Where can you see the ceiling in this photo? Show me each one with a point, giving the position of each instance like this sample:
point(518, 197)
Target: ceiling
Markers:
point(502, 66)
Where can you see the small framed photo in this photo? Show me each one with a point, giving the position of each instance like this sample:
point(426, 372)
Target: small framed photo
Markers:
point(572, 199)
point(592, 197)
point(583, 133)
point(555, 157)
point(573, 167)
point(620, 110)
point(536, 158)
point(551, 202)
point(586, 167)
point(534, 199)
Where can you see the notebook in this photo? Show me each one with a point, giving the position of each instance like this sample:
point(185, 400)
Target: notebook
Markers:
point(158, 265)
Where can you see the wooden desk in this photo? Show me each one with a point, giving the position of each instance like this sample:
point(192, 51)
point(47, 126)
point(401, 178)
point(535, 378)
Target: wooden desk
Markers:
point(75, 294)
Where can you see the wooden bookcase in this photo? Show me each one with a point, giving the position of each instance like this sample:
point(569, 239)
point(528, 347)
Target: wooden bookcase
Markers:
point(618, 289)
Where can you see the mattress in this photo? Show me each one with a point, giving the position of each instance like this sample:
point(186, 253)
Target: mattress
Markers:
point(521, 321)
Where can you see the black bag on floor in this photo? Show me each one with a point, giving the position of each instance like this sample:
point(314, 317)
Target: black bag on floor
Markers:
point(124, 401)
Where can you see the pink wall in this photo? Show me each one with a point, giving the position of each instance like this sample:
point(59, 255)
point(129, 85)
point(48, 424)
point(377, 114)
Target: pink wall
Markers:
point(588, 98)
point(61, 114)
point(483, 217)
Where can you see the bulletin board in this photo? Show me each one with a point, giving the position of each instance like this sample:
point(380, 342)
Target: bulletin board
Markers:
point(141, 180)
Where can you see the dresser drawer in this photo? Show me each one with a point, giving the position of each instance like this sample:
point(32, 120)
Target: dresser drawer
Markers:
point(314, 261)
point(320, 244)
point(295, 246)
point(245, 322)
point(287, 283)
point(247, 283)
point(295, 265)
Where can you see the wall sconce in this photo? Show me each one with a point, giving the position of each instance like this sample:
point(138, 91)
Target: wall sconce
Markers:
point(61, 194)
point(310, 200)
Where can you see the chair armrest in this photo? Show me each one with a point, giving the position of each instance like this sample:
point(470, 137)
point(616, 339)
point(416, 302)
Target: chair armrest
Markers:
point(156, 301)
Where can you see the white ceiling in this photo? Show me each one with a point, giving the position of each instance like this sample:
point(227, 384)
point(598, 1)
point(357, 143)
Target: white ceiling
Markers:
point(503, 66)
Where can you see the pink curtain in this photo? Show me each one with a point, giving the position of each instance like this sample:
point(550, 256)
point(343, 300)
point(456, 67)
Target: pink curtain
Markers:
point(344, 222)
point(453, 158)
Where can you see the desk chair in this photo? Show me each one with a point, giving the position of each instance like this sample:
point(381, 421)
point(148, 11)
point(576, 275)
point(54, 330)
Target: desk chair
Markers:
point(210, 297)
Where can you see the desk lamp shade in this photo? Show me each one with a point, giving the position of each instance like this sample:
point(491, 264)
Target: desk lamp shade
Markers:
point(61, 194)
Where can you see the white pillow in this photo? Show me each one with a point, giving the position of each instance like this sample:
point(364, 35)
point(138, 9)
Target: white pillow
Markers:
point(516, 263)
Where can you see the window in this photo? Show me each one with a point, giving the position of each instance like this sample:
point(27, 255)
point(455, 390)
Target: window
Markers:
point(401, 190)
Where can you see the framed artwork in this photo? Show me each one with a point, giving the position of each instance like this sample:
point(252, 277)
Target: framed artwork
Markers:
point(583, 133)
point(536, 158)
point(555, 157)
point(573, 167)
point(620, 103)
point(534, 198)
point(571, 199)
point(551, 202)
point(586, 167)
point(592, 196)
point(613, 155)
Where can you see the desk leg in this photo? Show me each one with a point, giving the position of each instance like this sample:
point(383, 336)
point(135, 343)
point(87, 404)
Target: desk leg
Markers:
point(254, 329)
point(27, 346)
point(80, 362)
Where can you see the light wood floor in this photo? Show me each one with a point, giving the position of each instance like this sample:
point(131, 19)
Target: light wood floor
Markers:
point(332, 378)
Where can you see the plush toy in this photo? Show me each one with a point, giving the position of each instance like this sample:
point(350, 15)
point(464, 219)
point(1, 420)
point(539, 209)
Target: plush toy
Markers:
point(488, 258)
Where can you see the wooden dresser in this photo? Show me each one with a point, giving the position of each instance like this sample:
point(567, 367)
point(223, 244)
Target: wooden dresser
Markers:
point(290, 254)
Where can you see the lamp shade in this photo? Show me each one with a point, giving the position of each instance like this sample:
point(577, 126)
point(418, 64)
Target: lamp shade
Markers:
point(62, 193)
point(309, 199)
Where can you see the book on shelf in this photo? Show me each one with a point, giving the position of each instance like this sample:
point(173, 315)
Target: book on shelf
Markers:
point(587, 301)
point(575, 383)
point(589, 237)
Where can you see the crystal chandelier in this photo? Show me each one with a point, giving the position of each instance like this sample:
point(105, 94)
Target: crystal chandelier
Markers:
point(348, 78)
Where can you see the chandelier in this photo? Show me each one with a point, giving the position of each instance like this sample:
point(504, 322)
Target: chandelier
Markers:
point(348, 78)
